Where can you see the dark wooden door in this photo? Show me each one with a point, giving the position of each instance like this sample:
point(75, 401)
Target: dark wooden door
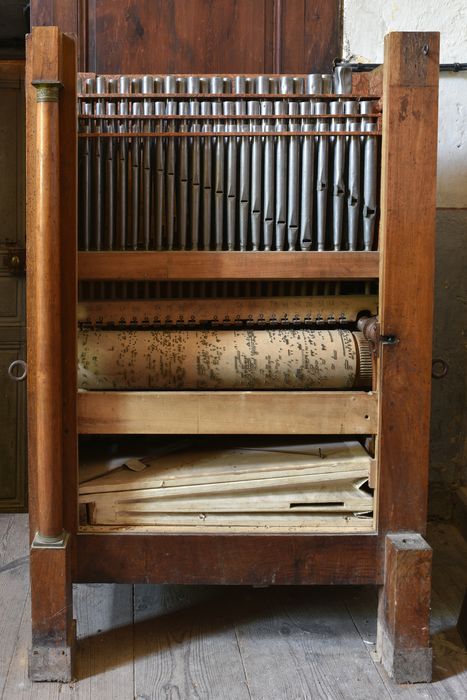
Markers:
point(12, 303)
point(196, 36)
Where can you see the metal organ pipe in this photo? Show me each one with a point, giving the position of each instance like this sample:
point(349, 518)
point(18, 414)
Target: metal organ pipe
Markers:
point(263, 188)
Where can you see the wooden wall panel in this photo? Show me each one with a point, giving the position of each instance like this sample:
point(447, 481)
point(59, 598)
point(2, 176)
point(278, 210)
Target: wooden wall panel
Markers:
point(12, 286)
point(198, 36)
point(62, 13)
point(309, 35)
point(191, 36)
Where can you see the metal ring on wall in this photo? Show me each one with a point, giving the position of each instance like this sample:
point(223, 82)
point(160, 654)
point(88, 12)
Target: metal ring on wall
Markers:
point(12, 367)
point(439, 368)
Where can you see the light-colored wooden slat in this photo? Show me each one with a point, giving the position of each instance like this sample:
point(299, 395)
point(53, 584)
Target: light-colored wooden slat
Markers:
point(194, 467)
point(319, 525)
point(231, 265)
point(241, 525)
point(223, 412)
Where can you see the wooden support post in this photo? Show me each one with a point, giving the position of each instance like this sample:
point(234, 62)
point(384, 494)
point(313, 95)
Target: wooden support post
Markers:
point(403, 641)
point(49, 416)
point(52, 649)
point(407, 234)
point(48, 376)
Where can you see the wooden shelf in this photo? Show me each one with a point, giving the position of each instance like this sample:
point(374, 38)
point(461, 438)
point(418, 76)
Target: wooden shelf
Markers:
point(228, 412)
point(214, 265)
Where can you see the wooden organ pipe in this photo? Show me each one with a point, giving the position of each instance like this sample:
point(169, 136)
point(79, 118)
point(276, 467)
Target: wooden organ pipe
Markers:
point(47, 310)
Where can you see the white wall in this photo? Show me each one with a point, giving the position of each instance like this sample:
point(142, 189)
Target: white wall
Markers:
point(365, 24)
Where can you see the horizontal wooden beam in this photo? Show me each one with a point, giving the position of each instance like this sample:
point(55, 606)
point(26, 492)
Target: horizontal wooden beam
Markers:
point(229, 559)
point(228, 412)
point(217, 265)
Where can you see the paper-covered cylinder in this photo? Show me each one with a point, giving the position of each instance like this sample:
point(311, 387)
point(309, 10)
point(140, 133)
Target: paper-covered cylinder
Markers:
point(233, 359)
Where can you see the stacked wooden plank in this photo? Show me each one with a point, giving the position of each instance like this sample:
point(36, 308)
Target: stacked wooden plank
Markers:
point(321, 485)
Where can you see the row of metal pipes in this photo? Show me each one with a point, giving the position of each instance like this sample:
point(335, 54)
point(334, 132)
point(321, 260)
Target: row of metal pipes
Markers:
point(144, 185)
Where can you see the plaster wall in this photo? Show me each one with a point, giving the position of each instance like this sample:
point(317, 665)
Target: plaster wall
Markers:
point(365, 24)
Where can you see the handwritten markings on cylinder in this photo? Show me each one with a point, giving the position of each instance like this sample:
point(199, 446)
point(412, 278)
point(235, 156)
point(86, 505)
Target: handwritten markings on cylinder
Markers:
point(230, 359)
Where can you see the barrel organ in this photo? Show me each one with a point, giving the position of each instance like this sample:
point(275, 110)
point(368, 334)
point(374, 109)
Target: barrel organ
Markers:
point(228, 292)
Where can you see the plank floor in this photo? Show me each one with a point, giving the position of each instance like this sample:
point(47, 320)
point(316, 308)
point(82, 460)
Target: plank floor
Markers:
point(228, 643)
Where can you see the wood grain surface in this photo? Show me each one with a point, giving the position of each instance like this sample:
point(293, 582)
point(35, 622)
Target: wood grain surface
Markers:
point(148, 641)
point(221, 412)
point(403, 641)
point(228, 559)
point(187, 36)
point(406, 280)
point(211, 265)
point(44, 297)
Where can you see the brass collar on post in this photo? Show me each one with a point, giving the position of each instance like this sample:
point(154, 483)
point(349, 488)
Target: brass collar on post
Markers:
point(45, 542)
point(47, 91)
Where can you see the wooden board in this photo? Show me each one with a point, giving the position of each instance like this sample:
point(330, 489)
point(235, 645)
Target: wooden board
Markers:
point(234, 413)
point(407, 232)
point(231, 265)
point(303, 35)
point(68, 229)
point(243, 525)
point(223, 463)
point(274, 311)
point(319, 486)
point(221, 558)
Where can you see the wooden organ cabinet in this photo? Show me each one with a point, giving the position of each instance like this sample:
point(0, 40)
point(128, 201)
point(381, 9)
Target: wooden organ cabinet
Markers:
point(292, 360)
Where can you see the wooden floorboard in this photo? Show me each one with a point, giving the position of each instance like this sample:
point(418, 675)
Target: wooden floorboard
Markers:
point(228, 643)
point(14, 586)
point(185, 644)
point(104, 614)
point(17, 684)
point(300, 643)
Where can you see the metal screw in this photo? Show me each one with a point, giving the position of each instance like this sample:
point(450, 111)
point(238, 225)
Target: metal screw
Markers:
point(425, 49)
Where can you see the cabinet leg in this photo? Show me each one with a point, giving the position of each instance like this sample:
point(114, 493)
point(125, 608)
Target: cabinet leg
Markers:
point(403, 639)
point(53, 633)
